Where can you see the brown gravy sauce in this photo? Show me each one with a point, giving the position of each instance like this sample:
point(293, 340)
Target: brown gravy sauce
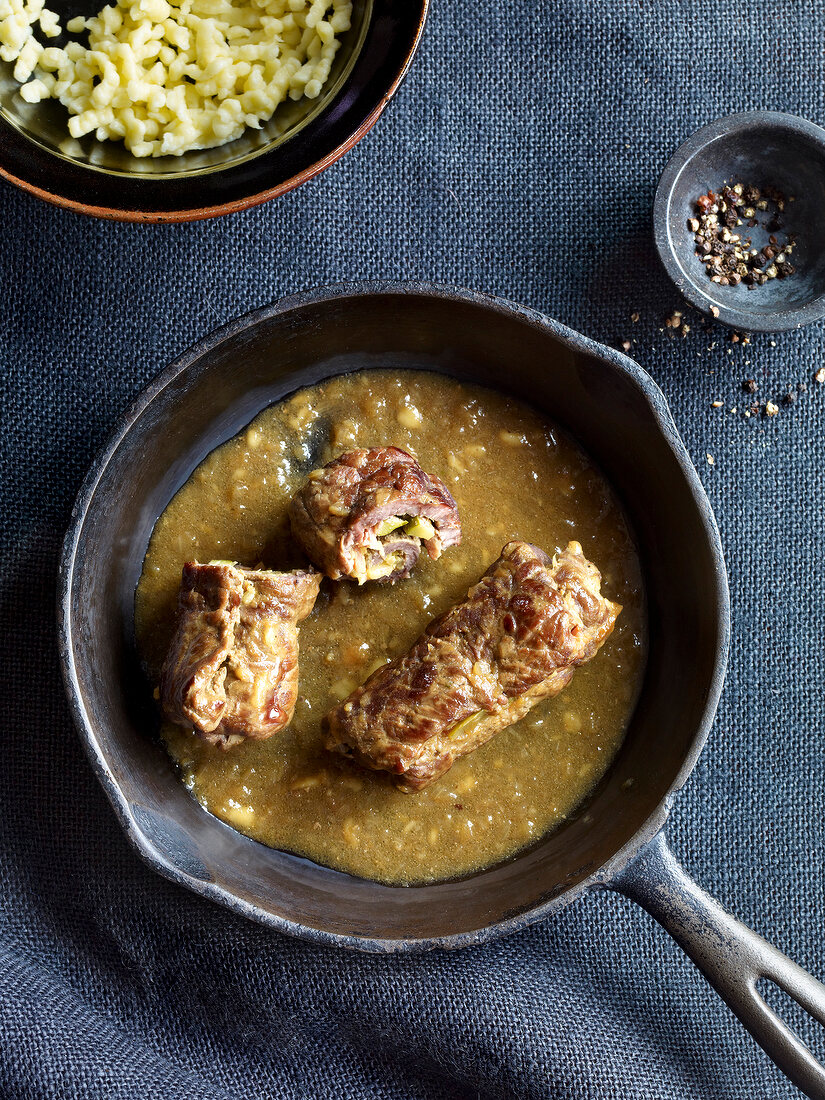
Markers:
point(514, 476)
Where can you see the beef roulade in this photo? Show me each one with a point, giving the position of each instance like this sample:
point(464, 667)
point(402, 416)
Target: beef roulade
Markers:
point(367, 514)
point(232, 668)
point(517, 639)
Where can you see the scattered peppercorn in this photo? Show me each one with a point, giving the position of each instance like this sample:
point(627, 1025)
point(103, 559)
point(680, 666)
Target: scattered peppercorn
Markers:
point(749, 385)
point(676, 324)
point(729, 258)
point(789, 397)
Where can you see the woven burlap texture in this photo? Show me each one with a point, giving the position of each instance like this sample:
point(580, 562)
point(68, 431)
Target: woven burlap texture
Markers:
point(520, 157)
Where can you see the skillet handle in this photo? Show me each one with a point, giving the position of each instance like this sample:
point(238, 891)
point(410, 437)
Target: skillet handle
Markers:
point(731, 956)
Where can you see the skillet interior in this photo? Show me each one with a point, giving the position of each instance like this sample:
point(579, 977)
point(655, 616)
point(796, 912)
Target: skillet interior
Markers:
point(603, 399)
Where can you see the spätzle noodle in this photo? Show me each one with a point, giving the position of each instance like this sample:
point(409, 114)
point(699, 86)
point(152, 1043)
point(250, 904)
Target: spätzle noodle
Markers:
point(169, 76)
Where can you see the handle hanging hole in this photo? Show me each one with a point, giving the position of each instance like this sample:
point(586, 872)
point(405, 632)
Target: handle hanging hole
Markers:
point(804, 1026)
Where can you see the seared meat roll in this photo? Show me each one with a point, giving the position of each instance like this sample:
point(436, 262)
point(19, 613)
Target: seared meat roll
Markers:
point(232, 668)
point(367, 514)
point(517, 639)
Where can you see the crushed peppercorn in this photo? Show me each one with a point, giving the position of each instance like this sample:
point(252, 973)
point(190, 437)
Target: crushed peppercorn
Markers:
point(730, 257)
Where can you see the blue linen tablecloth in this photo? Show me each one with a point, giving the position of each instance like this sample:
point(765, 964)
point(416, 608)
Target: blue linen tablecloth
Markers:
point(520, 157)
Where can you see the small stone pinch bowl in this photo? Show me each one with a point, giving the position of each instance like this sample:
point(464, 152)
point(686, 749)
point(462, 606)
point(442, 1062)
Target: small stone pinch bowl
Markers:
point(765, 149)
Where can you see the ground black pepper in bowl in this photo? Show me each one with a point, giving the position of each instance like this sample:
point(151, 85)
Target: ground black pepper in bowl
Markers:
point(730, 257)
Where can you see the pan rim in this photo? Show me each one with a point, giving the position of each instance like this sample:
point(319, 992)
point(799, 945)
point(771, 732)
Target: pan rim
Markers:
point(151, 854)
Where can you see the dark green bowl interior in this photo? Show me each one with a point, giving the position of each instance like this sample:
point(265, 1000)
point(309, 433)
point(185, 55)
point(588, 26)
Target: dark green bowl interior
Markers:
point(46, 123)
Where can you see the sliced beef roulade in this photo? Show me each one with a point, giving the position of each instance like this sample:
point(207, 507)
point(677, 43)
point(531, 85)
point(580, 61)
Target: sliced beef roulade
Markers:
point(367, 514)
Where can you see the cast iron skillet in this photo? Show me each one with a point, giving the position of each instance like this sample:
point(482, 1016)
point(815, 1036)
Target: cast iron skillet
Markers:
point(619, 415)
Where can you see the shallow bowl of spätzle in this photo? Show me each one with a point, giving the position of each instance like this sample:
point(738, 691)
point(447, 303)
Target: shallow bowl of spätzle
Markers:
point(175, 110)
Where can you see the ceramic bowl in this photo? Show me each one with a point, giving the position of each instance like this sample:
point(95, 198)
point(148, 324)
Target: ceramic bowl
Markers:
point(300, 140)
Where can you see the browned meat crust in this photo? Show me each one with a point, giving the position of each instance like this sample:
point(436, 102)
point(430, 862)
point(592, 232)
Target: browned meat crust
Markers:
point(337, 516)
point(232, 668)
point(517, 639)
